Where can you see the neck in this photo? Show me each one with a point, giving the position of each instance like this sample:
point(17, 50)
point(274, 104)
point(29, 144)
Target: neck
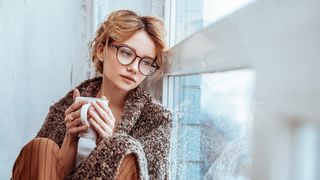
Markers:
point(114, 95)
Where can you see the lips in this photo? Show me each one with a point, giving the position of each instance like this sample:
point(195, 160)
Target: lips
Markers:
point(129, 78)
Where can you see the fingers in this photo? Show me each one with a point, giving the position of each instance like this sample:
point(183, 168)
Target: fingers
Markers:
point(104, 133)
point(74, 127)
point(80, 129)
point(103, 97)
point(103, 104)
point(102, 119)
point(72, 116)
point(74, 107)
point(74, 123)
point(106, 108)
point(75, 115)
point(76, 93)
point(98, 120)
point(104, 112)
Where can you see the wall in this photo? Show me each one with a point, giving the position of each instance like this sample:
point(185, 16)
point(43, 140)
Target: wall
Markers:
point(280, 41)
point(43, 54)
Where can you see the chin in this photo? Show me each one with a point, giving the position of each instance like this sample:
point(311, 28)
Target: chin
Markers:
point(126, 87)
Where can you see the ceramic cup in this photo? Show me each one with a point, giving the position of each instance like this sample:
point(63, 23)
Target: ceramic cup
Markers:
point(91, 133)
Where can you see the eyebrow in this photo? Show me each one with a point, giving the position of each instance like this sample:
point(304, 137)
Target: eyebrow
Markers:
point(136, 51)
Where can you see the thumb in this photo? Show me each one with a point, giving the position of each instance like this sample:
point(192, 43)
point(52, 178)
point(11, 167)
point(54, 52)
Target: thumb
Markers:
point(103, 97)
point(76, 93)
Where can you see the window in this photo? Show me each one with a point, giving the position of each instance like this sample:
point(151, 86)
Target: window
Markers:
point(211, 97)
point(278, 46)
point(212, 115)
point(190, 16)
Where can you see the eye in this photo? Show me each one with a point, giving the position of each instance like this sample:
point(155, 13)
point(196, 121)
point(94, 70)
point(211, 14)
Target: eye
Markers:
point(125, 52)
point(147, 62)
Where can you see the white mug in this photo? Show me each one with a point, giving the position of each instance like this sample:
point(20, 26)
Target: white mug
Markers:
point(91, 133)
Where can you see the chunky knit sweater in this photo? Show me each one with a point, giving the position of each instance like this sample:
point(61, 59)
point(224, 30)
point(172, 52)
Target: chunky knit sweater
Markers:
point(144, 130)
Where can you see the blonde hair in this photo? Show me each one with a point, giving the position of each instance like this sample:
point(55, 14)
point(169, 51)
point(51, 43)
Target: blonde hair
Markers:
point(120, 26)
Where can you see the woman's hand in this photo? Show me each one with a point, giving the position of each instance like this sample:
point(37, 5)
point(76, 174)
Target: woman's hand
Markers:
point(74, 126)
point(72, 118)
point(102, 120)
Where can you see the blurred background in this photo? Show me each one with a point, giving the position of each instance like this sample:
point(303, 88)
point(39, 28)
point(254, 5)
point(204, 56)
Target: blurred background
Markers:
point(243, 80)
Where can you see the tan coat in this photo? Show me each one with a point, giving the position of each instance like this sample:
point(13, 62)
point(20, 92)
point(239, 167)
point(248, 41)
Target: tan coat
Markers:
point(144, 130)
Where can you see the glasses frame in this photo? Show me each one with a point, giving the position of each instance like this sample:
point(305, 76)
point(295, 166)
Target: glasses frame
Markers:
point(134, 59)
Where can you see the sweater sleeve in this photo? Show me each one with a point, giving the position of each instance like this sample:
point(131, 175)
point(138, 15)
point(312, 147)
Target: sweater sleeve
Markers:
point(53, 126)
point(151, 150)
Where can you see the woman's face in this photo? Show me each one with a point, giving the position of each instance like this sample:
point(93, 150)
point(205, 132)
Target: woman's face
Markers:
point(115, 72)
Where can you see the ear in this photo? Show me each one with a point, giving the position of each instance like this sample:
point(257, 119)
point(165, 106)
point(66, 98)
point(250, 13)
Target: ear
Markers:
point(100, 52)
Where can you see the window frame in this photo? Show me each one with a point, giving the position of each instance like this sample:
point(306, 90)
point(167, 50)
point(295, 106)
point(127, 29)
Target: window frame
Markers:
point(244, 40)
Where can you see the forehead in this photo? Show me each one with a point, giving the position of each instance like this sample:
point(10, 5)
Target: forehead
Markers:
point(142, 43)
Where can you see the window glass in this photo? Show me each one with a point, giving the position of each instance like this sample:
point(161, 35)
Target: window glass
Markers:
point(211, 125)
point(192, 16)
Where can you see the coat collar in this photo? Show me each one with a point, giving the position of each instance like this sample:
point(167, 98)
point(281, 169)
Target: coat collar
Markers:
point(134, 103)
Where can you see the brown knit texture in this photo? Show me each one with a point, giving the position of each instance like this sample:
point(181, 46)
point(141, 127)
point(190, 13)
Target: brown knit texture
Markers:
point(144, 130)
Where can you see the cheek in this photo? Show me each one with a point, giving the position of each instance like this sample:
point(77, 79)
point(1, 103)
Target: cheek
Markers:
point(110, 66)
point(141, 78)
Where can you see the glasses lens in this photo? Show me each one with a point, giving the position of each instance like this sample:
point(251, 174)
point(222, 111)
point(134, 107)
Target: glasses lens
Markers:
point(125, 55)
point(147, 66)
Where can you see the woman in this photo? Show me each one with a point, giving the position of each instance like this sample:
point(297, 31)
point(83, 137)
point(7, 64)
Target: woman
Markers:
point(133, 131)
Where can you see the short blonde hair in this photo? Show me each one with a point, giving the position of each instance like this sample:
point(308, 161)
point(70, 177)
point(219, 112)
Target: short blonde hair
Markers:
point(120, 26)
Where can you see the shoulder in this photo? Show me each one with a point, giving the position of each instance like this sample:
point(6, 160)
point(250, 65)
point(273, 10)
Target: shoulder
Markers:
point(90, 87)
point(86, 88)
point(155, 119)
point(156, 108)
point(90, 82)
point(156, 113)
point(152, 109)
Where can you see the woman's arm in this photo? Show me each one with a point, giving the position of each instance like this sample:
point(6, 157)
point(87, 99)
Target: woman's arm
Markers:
point(151, 151)
point(105, 159)
point(64, 131)
point(68, 151)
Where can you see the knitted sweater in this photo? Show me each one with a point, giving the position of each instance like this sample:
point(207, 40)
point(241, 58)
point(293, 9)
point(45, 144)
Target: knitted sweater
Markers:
point(144, 130)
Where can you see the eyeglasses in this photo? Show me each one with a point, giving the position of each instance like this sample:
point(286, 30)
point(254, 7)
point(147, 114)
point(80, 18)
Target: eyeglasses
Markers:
point(126, 56)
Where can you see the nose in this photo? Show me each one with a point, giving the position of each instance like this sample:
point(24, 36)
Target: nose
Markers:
point(134, 66)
